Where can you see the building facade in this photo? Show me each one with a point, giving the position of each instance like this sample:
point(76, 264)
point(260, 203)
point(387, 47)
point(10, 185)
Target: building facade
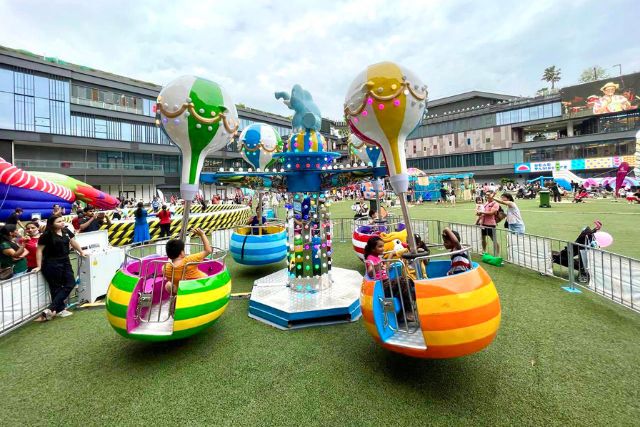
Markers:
point(502, 136)
point(99, 127)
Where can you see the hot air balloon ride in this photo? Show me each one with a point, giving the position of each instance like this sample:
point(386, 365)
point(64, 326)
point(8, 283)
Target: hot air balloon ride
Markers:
point(259, 244)
point(199, 117)
point(417, 309)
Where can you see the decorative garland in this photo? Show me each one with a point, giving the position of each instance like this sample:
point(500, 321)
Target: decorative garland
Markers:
point(229, 125)
point(371, 94)
point(243, 146)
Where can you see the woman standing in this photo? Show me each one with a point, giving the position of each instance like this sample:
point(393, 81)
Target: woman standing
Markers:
point(52, 258)
point(30, 242)
point(165, 222)
point(12, 255)
point(515, 223)
point(141, 229)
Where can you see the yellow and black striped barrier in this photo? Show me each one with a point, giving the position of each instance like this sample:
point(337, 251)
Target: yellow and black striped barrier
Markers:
point(217, 218)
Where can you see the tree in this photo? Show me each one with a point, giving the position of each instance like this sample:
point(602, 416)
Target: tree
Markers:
point(592, 74)
point(551, 75)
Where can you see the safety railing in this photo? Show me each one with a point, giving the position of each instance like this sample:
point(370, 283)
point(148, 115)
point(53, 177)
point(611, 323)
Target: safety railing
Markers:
point(613, 276)
point(155, 298)
point(22, 298)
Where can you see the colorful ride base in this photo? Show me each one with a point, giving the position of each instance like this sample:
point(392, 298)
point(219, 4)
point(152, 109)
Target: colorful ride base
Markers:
point(139, 308)
point(458, 314)
point(259, 245)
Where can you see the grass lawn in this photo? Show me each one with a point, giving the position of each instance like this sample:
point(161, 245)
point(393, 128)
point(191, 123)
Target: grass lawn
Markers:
point(562, 221)
point(559, 359)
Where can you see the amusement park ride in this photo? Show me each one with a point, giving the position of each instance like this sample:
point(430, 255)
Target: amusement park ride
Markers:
point(420, 311)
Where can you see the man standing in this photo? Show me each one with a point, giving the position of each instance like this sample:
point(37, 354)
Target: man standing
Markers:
point(14, 217)
point(487, 221)
point(155, 205)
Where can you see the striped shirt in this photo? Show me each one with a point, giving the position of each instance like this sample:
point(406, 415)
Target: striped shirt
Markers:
point(459, 263)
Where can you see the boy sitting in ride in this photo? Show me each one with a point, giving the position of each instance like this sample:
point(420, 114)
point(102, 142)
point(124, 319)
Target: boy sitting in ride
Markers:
point(460, 262)
point(182, 266)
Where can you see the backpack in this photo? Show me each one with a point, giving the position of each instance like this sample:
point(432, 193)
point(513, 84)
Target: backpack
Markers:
point(500, 215)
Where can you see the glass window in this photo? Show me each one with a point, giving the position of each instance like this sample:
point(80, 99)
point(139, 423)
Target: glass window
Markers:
point(101, 128)
point(7, 120)
point(42, 114)
point(41, 87)
point(548, 111)
point(6, 81)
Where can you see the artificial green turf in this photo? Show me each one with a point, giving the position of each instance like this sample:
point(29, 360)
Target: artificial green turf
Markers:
point(559, 359)
point(561, 221)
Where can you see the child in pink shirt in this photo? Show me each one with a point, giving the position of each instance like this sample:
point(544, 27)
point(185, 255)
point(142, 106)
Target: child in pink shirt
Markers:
point(373, 252)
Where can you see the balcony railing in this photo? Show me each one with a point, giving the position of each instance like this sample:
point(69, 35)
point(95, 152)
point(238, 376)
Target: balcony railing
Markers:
point(62, 164)
point(106, 106)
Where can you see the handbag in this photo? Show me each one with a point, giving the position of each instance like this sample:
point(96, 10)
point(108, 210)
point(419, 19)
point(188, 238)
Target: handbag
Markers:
point(6, 273)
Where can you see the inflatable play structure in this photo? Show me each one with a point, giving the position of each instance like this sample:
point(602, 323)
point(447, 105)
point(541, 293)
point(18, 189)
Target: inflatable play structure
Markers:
point(198, 116)
point(37, 192)
point(565, 177)
point(84, 192)
point(418, 310)
point(29, 192)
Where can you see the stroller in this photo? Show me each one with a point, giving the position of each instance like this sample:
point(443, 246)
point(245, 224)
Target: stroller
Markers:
point(586, 238)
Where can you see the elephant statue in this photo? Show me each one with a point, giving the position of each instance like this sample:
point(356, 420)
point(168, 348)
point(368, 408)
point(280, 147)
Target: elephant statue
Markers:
point(307, 114)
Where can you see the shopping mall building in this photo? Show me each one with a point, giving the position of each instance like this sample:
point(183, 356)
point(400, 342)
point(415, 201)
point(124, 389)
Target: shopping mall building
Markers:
point(100, 128)
point(587, 129)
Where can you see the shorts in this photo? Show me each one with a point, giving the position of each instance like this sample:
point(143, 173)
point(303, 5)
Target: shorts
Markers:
point(489, 230)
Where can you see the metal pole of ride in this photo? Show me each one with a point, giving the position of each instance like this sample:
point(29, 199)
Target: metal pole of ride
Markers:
point(185, 219)
point(378, 184)
point(259, 211)
point(411, 240)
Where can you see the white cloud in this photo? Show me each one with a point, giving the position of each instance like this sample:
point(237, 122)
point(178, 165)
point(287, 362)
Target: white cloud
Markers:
point(255, 48)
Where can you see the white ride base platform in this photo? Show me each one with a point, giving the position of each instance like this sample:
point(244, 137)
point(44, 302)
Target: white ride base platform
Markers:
point(275, 303)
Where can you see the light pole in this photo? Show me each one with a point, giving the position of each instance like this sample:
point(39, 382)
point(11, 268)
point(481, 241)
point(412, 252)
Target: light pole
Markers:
point(619, 68)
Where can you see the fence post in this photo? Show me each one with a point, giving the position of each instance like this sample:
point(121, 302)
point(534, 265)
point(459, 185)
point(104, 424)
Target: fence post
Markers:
point(571, 288)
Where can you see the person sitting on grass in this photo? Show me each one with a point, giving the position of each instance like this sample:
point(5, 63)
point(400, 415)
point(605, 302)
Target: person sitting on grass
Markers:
point(460, 262)
point(184, 266)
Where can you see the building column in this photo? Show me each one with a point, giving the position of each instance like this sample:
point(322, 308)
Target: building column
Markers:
point(570, 128)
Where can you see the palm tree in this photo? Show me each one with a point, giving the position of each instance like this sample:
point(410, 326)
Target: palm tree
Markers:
point(551, 75)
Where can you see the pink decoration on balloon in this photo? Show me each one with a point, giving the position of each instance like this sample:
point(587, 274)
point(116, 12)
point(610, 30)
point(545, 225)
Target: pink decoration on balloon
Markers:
point(318, 165)
point(355, 120)
point(396, 102)
point(364, 112)
point(306, 247)
point(308, 165)
point(380, 106)
point(369, 101)
point(297, 165)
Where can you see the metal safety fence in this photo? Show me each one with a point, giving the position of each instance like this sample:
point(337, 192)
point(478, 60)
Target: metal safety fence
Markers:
point(613, 276)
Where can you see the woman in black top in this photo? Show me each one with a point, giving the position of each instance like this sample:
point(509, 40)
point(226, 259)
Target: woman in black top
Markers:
point(53, 259)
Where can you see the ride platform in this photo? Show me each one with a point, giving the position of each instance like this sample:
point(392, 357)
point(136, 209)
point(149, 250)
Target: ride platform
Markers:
point(275, 303)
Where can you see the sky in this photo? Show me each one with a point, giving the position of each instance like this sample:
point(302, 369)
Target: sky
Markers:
point(254, 48)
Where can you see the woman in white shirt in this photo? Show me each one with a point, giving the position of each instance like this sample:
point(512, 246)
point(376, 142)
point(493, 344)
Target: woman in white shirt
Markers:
point(514, 219)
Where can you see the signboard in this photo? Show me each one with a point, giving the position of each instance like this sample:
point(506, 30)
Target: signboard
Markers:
point(611, 95)
point(575, 164)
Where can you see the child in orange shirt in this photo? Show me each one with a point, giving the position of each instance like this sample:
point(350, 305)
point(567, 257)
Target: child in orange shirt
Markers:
point(175, 271)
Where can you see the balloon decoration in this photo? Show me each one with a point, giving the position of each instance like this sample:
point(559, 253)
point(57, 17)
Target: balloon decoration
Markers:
point(369, 154)
point(603, 238)
point(258, 143)
point(383, 105)
point(199, 117)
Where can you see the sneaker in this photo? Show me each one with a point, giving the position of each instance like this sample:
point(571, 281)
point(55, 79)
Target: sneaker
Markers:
point(64, 313)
